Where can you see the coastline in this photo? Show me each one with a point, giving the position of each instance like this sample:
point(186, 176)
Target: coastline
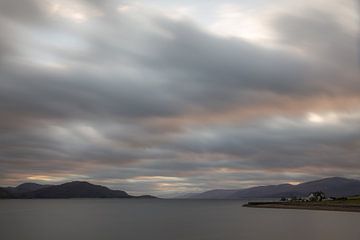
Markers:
point(306, 206)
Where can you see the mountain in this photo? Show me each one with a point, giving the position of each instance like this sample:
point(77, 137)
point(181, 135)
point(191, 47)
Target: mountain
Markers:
point(332, 187)
point(212, 194)
point(183, 195)
point(146, 196)
point(76, 189)
point(25, 187)
point(4, 193)
point(265, 192)
point(28, 187)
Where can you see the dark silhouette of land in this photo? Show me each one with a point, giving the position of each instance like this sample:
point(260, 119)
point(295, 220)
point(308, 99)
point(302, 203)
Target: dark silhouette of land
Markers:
point(348, 204)
point(331, 187)
point(74, 189)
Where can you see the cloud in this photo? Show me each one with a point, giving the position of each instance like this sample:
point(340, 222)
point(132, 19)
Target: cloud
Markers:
point(23, 12)
point(116, 97)
point(321, 36)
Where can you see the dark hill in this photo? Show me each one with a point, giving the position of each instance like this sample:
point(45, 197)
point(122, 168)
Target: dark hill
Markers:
point(264, 191)
point(26, 187)
point(332, 187)
point(76, 190)
point(4, 193)
point(212, 194)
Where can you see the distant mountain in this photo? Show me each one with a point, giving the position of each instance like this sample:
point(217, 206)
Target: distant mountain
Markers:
point(266, 192)
point(25, 187)
point(212, 194)
point(332, 187)
point(74, 189)
point(146, 196)
point(183, 196)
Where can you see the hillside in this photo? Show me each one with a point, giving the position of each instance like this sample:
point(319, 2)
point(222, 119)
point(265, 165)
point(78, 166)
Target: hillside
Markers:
point(74, 189)
point(332, 187)
point(4, 193)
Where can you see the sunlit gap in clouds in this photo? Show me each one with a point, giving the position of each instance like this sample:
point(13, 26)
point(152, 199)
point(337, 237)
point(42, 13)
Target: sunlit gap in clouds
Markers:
point(73, 11)
point(56, 179)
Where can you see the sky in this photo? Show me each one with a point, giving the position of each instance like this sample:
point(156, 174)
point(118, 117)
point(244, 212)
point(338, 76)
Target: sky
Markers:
point(166, 97)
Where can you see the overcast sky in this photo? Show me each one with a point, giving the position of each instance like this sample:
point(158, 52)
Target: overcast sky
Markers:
point(171, 96)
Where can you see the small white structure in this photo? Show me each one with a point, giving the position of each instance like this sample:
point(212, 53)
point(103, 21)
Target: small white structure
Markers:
point(315, 197)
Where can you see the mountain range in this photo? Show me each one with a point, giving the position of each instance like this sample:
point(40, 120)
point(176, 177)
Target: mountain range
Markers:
point(76, 189)
point(331, 187)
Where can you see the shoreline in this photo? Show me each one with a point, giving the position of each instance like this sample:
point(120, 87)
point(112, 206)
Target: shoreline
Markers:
point(305, 206)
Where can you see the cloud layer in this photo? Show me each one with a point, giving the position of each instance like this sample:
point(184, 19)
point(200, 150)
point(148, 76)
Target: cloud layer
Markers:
point(152, 97)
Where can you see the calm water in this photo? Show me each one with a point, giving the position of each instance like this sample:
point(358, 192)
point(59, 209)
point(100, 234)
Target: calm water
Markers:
point(167, 220)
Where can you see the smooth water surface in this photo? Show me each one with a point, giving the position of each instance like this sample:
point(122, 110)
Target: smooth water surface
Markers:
point(115, 219)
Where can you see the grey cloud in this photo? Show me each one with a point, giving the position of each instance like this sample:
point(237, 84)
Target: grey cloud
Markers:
point(22, 11)
point(125, 71)
point(213, 78)
point(49, 96)
point(191, 68)
point(228, 63)
point(321, 35)
point(259, 146)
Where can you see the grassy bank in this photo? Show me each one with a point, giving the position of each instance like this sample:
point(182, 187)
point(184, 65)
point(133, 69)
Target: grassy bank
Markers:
point(351, 204)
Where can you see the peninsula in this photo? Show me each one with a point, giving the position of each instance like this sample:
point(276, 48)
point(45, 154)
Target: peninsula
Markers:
point(348, 204)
